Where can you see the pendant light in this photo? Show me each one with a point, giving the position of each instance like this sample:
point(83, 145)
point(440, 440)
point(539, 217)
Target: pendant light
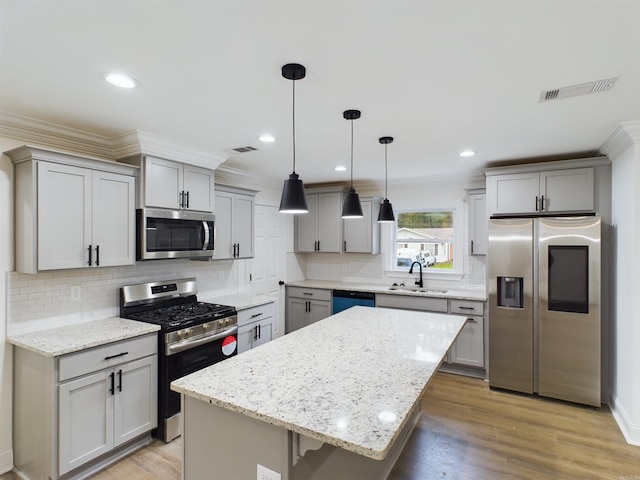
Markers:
point(293, 199)
point(386, 210)
point(351, 207)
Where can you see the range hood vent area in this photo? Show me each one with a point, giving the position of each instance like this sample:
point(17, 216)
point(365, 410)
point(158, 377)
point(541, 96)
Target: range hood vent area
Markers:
point(580, 89)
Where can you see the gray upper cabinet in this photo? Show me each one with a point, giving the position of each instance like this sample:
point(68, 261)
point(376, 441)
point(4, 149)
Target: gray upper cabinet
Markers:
point(235, 223)
point(478, 222)
point(320, 230)
point(540, 190)
point(72, 212)
point(362, 235)
point(173, 185)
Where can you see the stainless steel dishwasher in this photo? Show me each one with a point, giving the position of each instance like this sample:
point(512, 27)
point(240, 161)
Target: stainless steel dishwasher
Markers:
point(343, 299)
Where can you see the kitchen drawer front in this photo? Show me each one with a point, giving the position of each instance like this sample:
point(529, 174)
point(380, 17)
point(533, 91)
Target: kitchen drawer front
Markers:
point(104, 356)
point(465, 307)
point(309, 293)
point(408, 302)
point(253, 314)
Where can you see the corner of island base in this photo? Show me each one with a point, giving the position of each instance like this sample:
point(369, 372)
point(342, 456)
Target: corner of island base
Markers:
point(220, 443)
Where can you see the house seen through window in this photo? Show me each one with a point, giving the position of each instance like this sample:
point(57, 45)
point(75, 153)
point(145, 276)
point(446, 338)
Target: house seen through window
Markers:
point(425, 237)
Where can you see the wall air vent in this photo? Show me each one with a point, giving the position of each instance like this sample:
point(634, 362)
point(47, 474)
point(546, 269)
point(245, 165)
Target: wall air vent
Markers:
point(243, 149)
point(580, 89)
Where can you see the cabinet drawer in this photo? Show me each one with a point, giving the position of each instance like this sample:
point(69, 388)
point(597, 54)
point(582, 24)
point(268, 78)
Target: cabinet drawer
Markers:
point(253, 314)
point(309, 293)
point(466, 307)
point(408, 302)
point(104, 356)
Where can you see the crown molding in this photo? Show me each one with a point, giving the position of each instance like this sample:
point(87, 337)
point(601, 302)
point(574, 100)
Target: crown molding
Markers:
point(59, 137)
point(623, 137)
point(233, 176)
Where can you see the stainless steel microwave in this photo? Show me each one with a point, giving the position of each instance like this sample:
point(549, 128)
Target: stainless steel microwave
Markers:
point(173, 234)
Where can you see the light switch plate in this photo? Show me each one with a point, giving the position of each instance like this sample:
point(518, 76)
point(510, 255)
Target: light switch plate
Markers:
point(266, 474)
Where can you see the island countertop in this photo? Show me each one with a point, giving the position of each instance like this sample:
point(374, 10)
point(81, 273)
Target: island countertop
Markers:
point(350, 380)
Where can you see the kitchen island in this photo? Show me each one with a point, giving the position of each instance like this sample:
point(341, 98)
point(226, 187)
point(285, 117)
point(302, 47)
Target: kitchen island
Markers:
point(336, 399)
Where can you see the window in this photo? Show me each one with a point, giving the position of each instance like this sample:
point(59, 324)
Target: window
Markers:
point(426, 237)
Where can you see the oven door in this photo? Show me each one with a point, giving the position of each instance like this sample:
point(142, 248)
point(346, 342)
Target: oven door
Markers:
point(184, 362)
point(173, 234)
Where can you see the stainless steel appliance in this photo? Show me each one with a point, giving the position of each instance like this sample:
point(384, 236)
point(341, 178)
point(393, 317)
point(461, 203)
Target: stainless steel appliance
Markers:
point(545, 306)
point(343, 299)
point(162, 233)
point(193, 335)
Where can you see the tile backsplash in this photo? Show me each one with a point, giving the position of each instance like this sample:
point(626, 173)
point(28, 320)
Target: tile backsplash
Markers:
point(63, 297)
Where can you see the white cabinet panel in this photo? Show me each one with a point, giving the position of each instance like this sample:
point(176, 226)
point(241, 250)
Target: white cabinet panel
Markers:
point(513, 193)
point(306, 306)
point(235, 223)
point(478, 224)
point(362, 235)
point(64, 216)
point(320, 230)
point(567, 190)
point(468, 349)
point(85, 419)
point(199, 188)
point(163, 183)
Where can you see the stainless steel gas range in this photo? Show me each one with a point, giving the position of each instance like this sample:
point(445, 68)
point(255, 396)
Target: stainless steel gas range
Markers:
point(193, 335)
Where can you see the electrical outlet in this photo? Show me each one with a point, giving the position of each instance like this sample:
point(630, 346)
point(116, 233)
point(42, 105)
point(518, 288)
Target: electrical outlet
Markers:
point(76, 293)
point(266, 474)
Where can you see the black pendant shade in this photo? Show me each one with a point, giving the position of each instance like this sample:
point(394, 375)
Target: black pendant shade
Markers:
point(351, 207)
point(293, 199)
point(386, 210)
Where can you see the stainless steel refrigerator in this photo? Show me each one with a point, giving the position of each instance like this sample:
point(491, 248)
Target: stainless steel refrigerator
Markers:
point(544, 306)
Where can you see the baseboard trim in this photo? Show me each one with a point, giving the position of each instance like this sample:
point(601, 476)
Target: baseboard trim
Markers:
point(6, 461)
point(630, 431)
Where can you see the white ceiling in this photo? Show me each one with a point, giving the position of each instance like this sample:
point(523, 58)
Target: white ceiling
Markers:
point(439, 76)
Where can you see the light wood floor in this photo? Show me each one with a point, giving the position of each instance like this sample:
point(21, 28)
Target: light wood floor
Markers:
point(470, 432)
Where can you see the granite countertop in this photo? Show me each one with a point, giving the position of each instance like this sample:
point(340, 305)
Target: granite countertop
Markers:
point(460, 293)
point(327, 381)
point(240, 301)
point(58, 341)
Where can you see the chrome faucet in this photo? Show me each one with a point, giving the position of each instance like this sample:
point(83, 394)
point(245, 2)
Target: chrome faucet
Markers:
point(418, 282)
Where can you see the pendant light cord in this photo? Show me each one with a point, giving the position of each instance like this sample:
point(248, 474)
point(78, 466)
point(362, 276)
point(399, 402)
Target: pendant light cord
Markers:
point(385, 170)
point(352, 153)
point(294, 124)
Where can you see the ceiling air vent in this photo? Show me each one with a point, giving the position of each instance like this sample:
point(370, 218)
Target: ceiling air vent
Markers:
point(244, 149)
point(580, 89)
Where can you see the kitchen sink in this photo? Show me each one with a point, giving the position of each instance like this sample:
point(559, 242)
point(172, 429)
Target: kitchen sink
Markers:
point(417, 289)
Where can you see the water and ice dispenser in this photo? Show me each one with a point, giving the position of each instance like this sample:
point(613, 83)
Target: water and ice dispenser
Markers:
point(510, 292)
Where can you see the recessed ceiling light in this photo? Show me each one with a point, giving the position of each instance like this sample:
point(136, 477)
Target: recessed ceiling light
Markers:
point(340, 168)
point(267, 138)
point(120, 80)
point(467, 153)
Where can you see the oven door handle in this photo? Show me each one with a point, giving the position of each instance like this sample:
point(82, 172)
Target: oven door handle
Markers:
point(187, 344)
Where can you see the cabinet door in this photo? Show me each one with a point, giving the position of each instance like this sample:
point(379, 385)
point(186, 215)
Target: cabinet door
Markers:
point(567, 190)
point(224, 239)
point(478, 224)
point(162, 183)
point(329, 233)
point(199, 188)
point(513, 193)
point(245, 338)
point(265, 331)
point(357, 231)
point(113, 219)
point(319, 310)
point(306, 226)
point(135, 399)
point(297, 314)
point(243, 222)
point(468, 349)
point(64, 216)
point(85, 420)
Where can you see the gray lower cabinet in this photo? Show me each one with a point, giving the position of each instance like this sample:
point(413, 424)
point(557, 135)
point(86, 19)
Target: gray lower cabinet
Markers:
point(255, 326)
point(83, 405)
point(306, 306)
point(469, 348)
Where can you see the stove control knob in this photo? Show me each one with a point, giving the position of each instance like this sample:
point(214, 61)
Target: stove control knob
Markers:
point(206, 327)
point(182, 334)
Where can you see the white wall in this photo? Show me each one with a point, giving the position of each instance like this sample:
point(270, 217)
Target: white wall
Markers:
point(625, 330)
